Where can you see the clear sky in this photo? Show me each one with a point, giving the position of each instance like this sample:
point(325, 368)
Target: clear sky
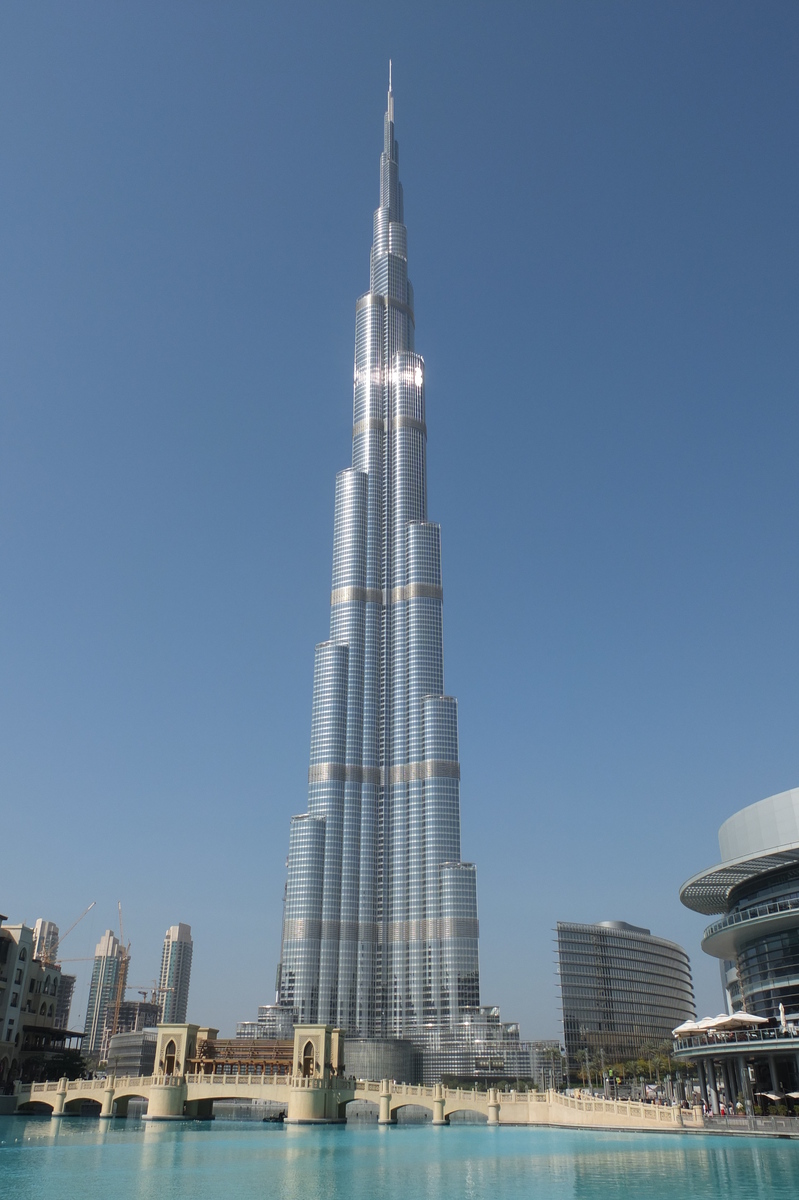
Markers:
point(601, 203)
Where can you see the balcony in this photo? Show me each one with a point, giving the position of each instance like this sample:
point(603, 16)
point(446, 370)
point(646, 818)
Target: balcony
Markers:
point(739, 1041)
point(725, 937)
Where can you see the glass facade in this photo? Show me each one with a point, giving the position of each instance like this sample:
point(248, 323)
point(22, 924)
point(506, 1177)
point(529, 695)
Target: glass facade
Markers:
point(621, 990)
point(380, 924)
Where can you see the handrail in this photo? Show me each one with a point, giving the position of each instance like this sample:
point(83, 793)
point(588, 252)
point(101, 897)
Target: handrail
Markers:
point(770, 908)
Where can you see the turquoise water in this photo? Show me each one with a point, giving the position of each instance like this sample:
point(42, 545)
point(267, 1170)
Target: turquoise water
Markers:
point(84, 1159)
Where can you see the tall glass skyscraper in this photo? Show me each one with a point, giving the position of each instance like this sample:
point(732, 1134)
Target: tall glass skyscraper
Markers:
point(173, 989)
point(380, 923)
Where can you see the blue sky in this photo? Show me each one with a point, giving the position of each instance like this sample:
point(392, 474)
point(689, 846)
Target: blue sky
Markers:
point(601, 211)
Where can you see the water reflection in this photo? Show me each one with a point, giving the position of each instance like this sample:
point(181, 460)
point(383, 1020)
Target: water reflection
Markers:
point(84, 1159)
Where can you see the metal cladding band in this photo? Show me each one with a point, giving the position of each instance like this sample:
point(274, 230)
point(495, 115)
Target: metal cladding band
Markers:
point(380, 932)
point(401, 773)
point(353, 595)
point(399, 422)
point(385, 301)
point(433, 929)
point(415, 591)
point(429, 769)
point(344, 773)
point(367, 425)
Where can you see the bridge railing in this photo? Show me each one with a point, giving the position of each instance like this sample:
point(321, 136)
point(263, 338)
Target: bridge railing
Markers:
point(655, 1113)
point(239, 1080)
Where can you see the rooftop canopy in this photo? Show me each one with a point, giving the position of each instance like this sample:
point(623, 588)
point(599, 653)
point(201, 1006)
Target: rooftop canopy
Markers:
point(761, 838)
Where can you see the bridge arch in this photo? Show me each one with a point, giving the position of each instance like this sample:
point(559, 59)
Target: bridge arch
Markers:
point(476, 1116)
point(411, 1102)
point(132, 1094)
point(75, 1105)
point(372, 1109)
point(35, 1108)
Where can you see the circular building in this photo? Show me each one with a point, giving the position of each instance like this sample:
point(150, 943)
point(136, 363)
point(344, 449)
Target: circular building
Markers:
point(754, 891)
point(755, 888)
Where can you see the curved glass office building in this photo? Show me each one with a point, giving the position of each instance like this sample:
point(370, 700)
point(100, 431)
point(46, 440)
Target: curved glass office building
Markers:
point(380, 925)
point(622, 990)
point(755, 889)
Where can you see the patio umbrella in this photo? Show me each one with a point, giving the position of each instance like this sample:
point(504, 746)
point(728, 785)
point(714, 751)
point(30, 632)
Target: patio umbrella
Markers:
point(737, 1020)
point(684, 1029)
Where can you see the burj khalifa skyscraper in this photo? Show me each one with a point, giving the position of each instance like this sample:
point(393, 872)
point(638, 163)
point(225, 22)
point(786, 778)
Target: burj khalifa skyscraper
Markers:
point(380, 929)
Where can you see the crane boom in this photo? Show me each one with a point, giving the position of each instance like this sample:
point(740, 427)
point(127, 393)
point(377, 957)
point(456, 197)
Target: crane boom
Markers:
point(51, 955)
point(122, 977)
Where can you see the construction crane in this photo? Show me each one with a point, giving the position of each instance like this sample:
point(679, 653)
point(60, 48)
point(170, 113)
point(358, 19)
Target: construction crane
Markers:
point(122, 975)
point(49, 956)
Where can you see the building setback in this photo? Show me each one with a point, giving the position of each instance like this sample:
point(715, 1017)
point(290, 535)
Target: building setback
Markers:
point(173, 988)
point(380, 932)
point(622, 991)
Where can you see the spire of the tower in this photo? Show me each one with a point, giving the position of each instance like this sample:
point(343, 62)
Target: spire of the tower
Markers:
point(390, 105)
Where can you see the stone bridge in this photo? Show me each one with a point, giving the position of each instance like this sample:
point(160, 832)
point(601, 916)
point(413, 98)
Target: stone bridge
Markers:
point(312, 1101)
point(317, 1091)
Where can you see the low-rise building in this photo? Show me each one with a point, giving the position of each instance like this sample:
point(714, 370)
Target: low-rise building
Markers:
point(133, 1017)
point(213, 1055)
point(547, 1065)
point(29, 993)
point(478, 1048)
point(274, 1021)
point(132, 1053)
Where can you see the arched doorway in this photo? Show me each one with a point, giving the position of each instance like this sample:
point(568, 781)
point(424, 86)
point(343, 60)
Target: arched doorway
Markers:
point(169, 1057)
point(308, 1060)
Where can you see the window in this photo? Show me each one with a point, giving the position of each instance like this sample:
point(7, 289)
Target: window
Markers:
point(14, 1000)
point(18, 976)
point(23, 954)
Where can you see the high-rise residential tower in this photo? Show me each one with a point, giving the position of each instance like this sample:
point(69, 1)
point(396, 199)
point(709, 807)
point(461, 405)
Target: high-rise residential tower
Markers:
point(380, 925)
point(173, 989)
point(110, 960)
point(45, 940)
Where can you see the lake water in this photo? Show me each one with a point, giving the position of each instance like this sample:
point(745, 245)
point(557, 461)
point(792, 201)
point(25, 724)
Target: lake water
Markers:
point(85, 1159)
